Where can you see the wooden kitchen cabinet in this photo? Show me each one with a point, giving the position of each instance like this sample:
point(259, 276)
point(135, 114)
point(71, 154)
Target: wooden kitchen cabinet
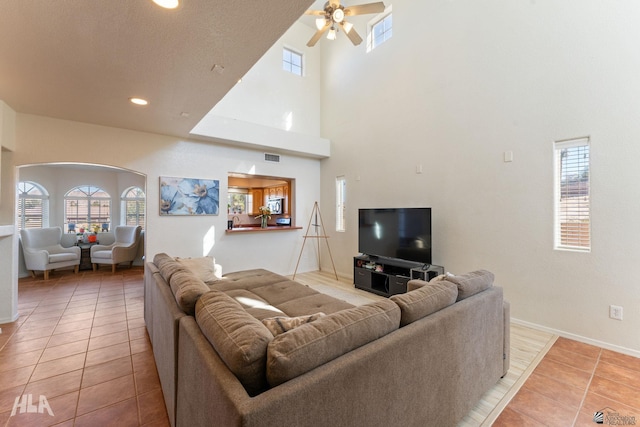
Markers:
point(257, 197)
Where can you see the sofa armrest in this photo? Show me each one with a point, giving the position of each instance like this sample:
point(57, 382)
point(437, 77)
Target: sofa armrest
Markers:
point(36, 259)
point(506, 309)
point(96, 248)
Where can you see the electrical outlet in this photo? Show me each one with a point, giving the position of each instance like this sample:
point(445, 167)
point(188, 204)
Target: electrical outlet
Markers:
point(615, 312)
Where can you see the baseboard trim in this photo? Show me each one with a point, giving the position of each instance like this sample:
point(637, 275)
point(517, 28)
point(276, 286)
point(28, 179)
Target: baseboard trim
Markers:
point(579, 338)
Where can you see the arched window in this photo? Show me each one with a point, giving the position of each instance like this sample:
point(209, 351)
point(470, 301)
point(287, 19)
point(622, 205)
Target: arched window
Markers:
point(88, 207)
point(132, 205)
point(33, 205)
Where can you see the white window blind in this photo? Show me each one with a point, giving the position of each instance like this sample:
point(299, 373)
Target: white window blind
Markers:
point(573, 195)
point(33, 205)
point(341, 189)
point(133, 202)
point(87, 207)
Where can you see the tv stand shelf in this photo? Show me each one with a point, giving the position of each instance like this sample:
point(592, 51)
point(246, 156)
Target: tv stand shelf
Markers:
point(389, 276)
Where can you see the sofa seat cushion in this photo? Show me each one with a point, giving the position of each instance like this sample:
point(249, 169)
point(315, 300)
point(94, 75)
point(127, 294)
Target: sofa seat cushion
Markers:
point(313, 344)
point(187, 289)
point(283, 291)
point(471, 283)
point(239, 339)
point(61, 257)
point(100, 254)
point(421, 302)
point(254, 304)
point(247, 279)
point(314, 303)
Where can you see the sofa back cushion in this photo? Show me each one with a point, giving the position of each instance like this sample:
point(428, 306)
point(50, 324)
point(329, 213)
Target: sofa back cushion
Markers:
point(187, 288)
point(281, 324)
point(421, 302)
point(167, 266)
point(239, 338)
point(313, 344)
point(203, 268)
point(471, 283)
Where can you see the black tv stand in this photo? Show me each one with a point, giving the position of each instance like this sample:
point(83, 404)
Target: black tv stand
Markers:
point(389, 276)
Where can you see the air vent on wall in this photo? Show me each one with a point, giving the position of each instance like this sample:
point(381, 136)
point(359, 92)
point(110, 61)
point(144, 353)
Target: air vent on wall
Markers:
point(274, 158)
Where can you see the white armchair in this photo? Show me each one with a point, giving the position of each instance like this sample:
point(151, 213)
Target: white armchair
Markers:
point(43, 252)
point(123, 249)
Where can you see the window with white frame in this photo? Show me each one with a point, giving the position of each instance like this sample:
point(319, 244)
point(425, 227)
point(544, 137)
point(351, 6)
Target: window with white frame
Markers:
point(341, 193)
point(33, 205)
point(133, 203)
point(87, 207)
point(572, 195)
point(380, 32)
point(292, 61)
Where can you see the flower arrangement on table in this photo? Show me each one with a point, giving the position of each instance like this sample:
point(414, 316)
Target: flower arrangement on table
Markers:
point(265, 214)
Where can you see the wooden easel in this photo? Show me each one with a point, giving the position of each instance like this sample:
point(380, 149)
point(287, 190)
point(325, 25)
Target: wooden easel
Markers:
point(315, 213)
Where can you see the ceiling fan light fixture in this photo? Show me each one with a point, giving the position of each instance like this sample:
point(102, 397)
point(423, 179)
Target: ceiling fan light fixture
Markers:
point(338, 15)
point(347, 26)
point(167, 4)
point(331, 35)
point(320, 23)
point(138, 101)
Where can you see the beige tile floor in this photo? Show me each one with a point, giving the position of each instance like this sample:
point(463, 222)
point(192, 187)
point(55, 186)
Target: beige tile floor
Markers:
point(80, 342)
point(574, 381)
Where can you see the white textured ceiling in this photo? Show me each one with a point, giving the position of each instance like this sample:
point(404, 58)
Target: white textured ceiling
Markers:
point(82, 59)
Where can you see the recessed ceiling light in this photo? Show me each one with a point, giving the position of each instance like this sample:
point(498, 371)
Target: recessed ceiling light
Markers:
point(167, 4)
point(139, 101)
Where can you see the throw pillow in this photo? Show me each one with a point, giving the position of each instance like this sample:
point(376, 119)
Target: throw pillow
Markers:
point(314, 344)
point(421, 302)
point(239, 339)
point(281, 324)
point(471, 283)
point(204, 268)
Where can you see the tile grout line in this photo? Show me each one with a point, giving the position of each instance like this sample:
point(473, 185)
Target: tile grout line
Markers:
point(586, 391)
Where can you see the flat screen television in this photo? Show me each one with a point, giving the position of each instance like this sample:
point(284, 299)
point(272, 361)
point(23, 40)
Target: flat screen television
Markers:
point(403, 233)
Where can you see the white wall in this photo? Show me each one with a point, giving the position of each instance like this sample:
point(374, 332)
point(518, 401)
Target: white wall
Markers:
point(41, 140)
point(8, 241)
point(272, 108)
point(458, 84)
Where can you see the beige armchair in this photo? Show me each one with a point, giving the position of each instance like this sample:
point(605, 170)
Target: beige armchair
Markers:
point(124, 249)
point(43, 252)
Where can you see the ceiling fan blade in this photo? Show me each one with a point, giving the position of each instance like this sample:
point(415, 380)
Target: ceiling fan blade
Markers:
point(315, 12)
point(352, 34)
point(318, 34)
point(363, 9)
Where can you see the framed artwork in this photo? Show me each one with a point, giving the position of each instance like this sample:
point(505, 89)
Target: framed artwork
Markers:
point(188, 196)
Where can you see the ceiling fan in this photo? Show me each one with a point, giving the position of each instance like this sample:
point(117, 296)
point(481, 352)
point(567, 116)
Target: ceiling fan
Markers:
point(333, 18)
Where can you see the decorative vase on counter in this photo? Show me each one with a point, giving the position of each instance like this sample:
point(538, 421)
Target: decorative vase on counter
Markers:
point(263, 221)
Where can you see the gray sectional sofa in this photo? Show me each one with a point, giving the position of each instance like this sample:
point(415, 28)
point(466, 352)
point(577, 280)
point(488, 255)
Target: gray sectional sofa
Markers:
point(243, 349)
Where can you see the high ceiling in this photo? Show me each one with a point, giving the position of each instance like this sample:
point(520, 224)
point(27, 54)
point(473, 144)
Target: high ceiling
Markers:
point(82, 60)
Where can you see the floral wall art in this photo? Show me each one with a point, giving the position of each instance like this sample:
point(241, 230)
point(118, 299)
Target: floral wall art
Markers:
point(187, 196)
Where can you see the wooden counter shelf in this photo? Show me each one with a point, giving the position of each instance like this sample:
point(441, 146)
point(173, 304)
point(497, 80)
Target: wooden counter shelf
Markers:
point(257, 228)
